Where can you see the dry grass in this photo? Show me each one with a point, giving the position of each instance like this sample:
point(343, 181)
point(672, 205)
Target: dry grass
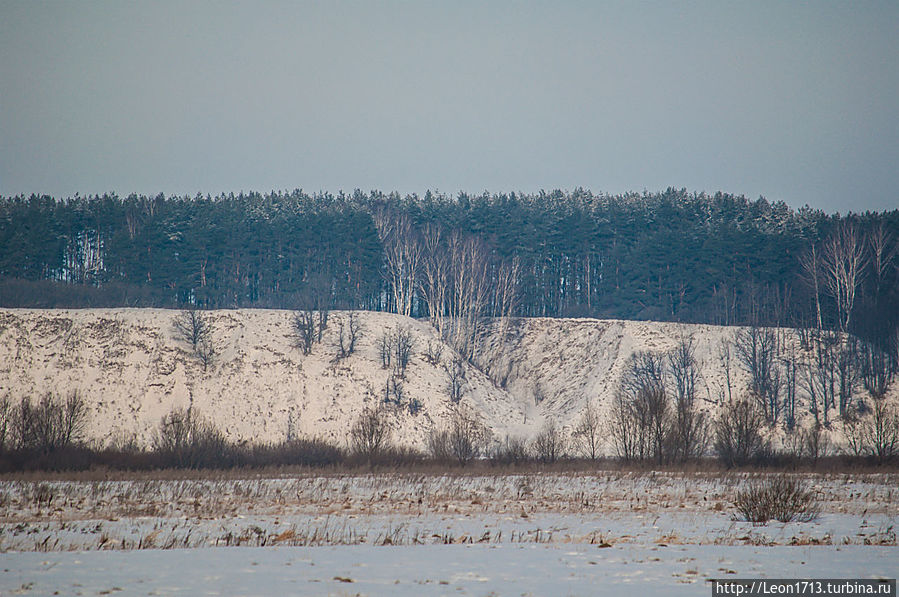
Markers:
point(403, 508)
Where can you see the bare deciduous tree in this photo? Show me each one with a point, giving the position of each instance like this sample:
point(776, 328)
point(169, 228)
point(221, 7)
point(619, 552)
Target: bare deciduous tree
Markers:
point(395, 350)
point(512, 450)
point(819, 374)
point(435, 277)
point(587, 434)
point(469, 292)
point(461, 283)
point(725, 355)
point(684, 370)
point(384, 344)
point(438, 444)
point(467, 437)
point(880, 430)
point(883, 254)
point(810, 263)
point(623, 429)
point(815, 442)
point(640, 412)
point(843, 266)
point(689, 428)
point(791, 383)
point(403, 256)
point(394, 390)
point(206, 352)
point(194, 327)
point(370, 434)
point(505, 297)
point(310, 318)
point(549, 445)
point(848, 373)
point(875, 369)
point(758, 349)
point(304, 329)
point(738, 433)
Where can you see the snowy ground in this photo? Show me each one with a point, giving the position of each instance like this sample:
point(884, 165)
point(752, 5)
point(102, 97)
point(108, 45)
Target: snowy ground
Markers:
point(430, 570)
point(429, 534)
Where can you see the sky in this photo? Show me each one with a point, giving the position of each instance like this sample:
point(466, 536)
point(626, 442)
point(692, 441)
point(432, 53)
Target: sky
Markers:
point(793, 101)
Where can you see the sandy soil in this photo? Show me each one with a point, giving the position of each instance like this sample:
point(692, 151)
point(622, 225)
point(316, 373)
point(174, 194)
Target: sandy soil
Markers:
point(132, 369)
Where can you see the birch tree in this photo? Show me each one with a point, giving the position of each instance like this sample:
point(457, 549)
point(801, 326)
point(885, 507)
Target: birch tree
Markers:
point(843, 265)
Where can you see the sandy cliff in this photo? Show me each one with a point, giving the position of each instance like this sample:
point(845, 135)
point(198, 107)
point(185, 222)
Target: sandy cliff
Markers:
point(132, 369)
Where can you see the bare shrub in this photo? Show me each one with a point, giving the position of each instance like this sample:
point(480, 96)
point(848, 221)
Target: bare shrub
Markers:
point(815, 442)
point(512, 450)
point(414, 406)
point(370, 434)
point(549, 445)
point(738, 434)
point(349, 330)
point(395, 350)
point(434, 352)
point(468, 437)
point(394, 390)
point(463, 439)
point(403, 349)
point(395, 393)
point(539, 393)
point(455, 373)
point(184, 439)
point(49, 425)
point(438, 444)
point(206, 353)
point(782, 498)
point(301, 451)
point(385, 349)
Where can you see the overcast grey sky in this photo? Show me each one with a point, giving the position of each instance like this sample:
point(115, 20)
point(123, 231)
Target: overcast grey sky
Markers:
point(794, 101)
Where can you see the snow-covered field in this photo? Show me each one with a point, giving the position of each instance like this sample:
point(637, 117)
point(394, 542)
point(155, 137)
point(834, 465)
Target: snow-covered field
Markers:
point(430, 534)
point(430, 570)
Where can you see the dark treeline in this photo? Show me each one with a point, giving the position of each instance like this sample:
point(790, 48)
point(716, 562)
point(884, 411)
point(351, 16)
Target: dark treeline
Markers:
point(674, 256)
